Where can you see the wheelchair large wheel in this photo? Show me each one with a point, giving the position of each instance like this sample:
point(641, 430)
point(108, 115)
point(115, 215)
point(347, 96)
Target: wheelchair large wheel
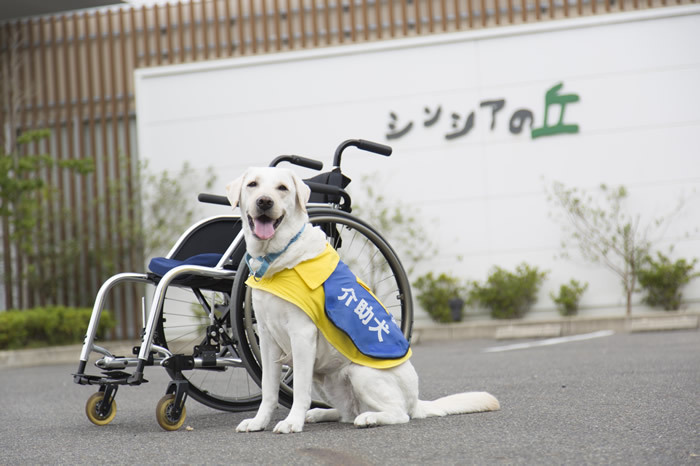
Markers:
point(368, 255)
point(182, 329)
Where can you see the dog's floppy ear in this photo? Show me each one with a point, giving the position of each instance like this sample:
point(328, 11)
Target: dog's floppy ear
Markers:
point(303, 191)
point(233, 190)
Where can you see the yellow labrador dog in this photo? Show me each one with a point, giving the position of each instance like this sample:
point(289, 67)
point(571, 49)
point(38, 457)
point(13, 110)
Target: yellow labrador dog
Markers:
point(275, 224)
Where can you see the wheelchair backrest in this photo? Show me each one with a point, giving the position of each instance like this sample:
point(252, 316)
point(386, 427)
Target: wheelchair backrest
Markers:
point(212, 235)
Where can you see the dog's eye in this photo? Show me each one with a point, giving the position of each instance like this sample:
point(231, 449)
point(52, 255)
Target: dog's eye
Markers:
point(282, 188)
point(252, 184)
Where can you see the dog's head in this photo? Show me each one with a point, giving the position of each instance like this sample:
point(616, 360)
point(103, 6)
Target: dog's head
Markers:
point(273, 204)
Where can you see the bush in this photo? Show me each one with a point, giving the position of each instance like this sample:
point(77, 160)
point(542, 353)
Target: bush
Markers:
point(435, 293)
point(33, 328)
point(508, 295)
point(662, 280)
point(568, 298)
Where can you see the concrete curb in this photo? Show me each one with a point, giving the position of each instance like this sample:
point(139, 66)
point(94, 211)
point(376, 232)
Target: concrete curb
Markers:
point(422, 332)
point(565, 326)
point(54, 355)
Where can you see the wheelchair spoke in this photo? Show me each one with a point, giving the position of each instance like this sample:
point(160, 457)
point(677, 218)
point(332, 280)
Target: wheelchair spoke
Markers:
point(184, 326)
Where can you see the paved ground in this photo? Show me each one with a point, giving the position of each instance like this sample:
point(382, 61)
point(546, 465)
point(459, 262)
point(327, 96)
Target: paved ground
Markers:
point(620, 399)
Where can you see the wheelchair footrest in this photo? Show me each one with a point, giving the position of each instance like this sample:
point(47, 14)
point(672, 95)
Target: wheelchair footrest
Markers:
point(107, 378)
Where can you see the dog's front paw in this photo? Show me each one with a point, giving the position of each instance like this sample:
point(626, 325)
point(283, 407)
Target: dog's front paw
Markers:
point(251, 425)
point(288, 427)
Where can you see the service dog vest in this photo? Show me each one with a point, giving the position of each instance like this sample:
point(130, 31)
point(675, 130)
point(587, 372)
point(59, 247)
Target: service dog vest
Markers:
point(343, 308)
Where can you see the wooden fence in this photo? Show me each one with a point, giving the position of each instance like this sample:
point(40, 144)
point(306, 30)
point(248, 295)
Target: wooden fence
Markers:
point(73, 74)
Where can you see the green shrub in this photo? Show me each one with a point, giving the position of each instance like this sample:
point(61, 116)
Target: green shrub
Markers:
point(506, 294)
point(49, 326)
point(568, 298)
point(435, 293)
point(662, 280)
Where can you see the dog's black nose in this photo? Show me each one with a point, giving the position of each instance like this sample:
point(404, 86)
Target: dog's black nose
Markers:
point(265, 203)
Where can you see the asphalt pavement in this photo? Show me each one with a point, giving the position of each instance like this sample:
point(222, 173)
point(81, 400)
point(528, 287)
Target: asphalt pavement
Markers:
point(616, 399)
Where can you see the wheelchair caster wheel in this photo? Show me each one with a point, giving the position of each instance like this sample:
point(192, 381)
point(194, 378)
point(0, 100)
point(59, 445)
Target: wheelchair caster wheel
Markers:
point(165, 413)
point(92, 409)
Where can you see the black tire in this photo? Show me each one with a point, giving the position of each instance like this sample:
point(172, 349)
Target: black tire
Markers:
point(367, 254)
point(182, 327)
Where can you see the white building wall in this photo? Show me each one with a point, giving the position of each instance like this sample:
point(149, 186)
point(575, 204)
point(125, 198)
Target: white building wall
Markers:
point(481, 195)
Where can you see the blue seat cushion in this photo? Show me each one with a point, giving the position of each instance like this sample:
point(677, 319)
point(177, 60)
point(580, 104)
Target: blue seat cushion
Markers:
point(160, 265)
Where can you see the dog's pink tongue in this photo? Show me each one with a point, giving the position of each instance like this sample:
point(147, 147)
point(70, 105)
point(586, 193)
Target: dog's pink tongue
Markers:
point(264, 229)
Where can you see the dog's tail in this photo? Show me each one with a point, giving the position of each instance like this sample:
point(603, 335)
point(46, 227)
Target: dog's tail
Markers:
point(461, 403)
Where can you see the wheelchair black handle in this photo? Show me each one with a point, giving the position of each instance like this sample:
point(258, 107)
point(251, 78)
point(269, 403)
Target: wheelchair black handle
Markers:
point(213, 199)
point(298, 160)
point(375, 147)
point(361, 144)
point(331, 190)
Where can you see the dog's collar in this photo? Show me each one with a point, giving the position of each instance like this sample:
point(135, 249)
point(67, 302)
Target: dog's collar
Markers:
point(266, 261)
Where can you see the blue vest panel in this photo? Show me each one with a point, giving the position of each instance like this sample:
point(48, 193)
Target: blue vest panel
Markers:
point(356, 312)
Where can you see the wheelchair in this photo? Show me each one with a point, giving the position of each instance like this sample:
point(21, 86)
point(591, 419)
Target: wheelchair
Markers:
point(201, 325)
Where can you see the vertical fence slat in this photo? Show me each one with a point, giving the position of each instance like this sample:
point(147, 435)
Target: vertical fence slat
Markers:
point(16, 98)
point(193, 33)
point(404, 17)
point(180, 31)
point(94, 186)
point(470, 12)
point(169, 52)
point(87, 278)
point(265, 26)
point(156, 32)
point(134, 38)
point(365, 20)
point(6, 244)
point(290, 25)
point(227, 25)
point(314, 23)
point(278, 26)
point(146, 39)
point(327, 21)
point(431, 17)
point(36, 78)
point(217, 28)
point(105, 221)
point(458, 15)
point(116, 165)
point(127, 68)
point(68, 96)
point(353, 22)
point(302, 23)
point(29, 123)
point(417, 14)
point(58, 137)
point(339, 18)
point(252, 19)
point(204, 28)
point(241, 31)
